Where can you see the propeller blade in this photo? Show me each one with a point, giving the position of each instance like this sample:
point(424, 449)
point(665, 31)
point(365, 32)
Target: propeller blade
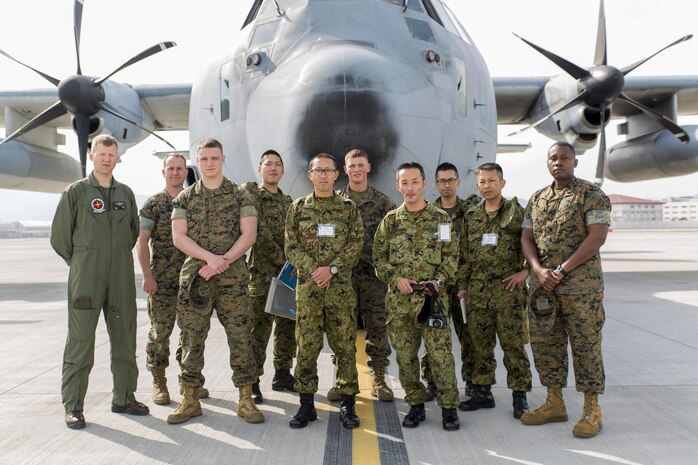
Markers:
point(567, 105)
point(601, 161)
point(600, 57)
point(569, 67)
point(54, 111)
point(629, 68)
point(111, 110)
point(660, 118)
point(50, 79)
point(82, 128)
point(144, 54)
point(77, 27)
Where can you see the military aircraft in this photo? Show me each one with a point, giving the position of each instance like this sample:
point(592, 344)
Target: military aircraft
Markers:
point(400, 78)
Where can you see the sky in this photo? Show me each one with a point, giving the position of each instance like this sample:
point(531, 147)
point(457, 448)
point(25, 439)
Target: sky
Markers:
point(113, 31)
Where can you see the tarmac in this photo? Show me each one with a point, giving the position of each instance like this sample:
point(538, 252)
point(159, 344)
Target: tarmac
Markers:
point(650, 407)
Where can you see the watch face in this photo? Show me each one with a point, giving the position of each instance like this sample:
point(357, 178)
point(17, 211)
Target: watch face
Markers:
point(334, 270)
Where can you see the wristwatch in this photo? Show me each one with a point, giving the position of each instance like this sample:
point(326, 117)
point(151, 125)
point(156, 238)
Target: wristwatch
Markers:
point(333, 269)
point(440, 282)
point(561, 270)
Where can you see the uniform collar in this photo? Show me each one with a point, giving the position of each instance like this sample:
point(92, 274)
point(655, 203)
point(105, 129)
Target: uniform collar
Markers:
point(336, 201)
point(225, 187)
point(566, 191)
point(94, 183)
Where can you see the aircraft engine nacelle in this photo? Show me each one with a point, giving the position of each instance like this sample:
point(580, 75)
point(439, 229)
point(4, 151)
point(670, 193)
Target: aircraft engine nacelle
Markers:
point(126, 101)
point(29, 167)
point(655, 155)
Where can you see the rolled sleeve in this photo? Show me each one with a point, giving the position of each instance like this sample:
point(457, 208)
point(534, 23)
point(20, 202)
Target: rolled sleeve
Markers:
point(146, 223)
point(179, 213)
point(245, 211)
point(598, 217)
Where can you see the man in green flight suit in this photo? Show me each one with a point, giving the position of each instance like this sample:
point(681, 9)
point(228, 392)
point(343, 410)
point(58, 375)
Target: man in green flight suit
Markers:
point(491, 281)
point(447, 183)
point(564, 227)
point(324, 237)
point(214, 222)
point(373, 205)
point(94, 231)
point(266, 260)
point(414, 247)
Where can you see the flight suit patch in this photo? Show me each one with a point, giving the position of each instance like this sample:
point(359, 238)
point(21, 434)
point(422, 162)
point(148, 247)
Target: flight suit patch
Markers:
point(118, 205)
point(98, 206)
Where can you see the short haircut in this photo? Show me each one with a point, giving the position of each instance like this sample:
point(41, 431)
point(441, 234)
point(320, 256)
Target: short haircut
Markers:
point(104, 139)
point(490, 167)
point(174, 155)
point(564, 145)
point(407, 166)
point(446, 166)
point(271, 152)
point(209, 144)
point(356, 153)
point(320, 156)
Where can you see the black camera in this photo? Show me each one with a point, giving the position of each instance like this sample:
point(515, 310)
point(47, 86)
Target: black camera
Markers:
point(437, 321)
point(416, 287)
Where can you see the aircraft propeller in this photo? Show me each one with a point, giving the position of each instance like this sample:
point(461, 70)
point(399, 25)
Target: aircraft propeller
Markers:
point(601, 85)
point(82, 96)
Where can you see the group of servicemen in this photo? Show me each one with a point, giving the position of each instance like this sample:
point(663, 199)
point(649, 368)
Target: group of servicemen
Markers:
point(404, 271)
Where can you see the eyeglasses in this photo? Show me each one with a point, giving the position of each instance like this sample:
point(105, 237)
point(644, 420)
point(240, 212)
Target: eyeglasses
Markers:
point(446, 182)
point(320, 171)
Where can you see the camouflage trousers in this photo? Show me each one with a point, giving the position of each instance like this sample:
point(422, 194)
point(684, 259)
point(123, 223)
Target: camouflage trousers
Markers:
point(162, 311)
point(234, 311)
point(316, 314)
point(510, 325)
point(466, 346)
point(370, 293)
point(579, 319)
point(284, 337)
point(406, 336)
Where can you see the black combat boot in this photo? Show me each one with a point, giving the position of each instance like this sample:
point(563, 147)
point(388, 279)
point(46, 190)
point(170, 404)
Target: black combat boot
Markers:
point(520, 403)
point(283, 380)
point(431, 391)
point(414, 416)
point(257, 396)
point(347, 414)
point(449, 419)
point(482, 398)
point(469, 389)
point(306, 413)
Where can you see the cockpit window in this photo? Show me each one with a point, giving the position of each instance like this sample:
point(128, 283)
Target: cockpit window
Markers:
point(420, 30)
point(411, 4)
point(253, 13)
point(224, 86)
point(429, 7)
point(264, 33)
point(444, 17)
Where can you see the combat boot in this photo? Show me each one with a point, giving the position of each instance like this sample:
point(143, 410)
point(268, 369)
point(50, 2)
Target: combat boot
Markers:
point(414, 416)
point(333, 394)
point(590, 424)
point(283, 380)
point(188, 408)
point(449, 419)
point(246, 406)
point(379, 389)
point(257, 396)
point(202, 392)
point(482, 398)
point(161, 396)
point(306, 413)
point(347, 413)
point(469, 389)
point(520, 403)
point(552, 411)
point(431, 391)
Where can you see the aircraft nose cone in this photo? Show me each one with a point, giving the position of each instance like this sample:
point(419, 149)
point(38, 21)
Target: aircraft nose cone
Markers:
point(604, 85)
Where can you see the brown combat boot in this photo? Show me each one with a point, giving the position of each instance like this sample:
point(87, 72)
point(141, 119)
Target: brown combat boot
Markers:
point(247, 408)
point(161, 396)
point(590, 424)
point(188, 408)
point(378, 387)
point(552, 411)
point(202, 392)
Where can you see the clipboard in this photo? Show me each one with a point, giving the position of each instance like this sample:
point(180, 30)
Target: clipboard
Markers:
point(281, 300)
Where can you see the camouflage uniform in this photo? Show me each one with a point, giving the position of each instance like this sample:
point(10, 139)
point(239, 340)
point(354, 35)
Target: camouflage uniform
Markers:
point(493, 311)
point(461, 327)
point(213, 222)
point(406, 246)
point(559, 220)
point(165, 263)
point(266, 260)
point(373, 205)
point(330, 310)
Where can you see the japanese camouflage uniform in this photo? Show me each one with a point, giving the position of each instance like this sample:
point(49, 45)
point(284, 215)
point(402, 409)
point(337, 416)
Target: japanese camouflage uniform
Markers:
point(407, 245)
point(94, 230)
point(373, 205)
point(165, 263)
point(322, 232)
point(491, 251)
point(457, 216)
point(266, 260)
point(213, 222)
point(559, 220)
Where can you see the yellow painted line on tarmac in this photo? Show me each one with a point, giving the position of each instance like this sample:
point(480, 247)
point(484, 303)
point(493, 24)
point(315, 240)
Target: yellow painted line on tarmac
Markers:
point(364, 440)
